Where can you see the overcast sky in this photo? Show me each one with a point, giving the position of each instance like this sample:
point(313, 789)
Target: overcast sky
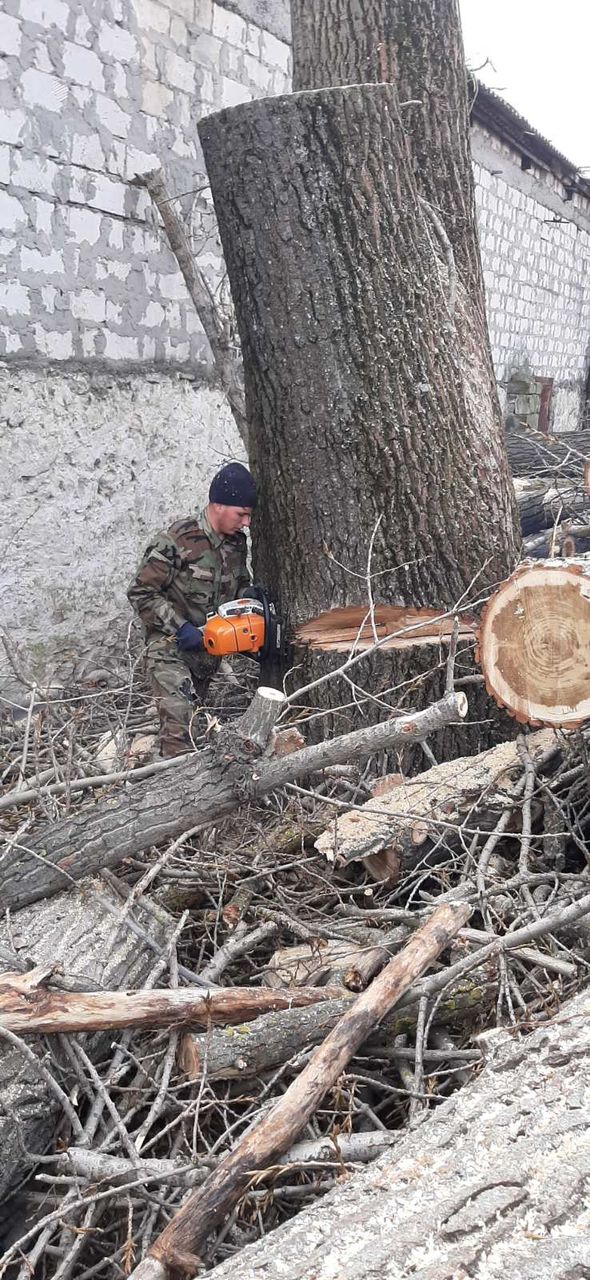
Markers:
point(540, 55)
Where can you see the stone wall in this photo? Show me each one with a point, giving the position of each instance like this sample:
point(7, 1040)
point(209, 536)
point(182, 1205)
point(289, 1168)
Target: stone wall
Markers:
point(535, 248)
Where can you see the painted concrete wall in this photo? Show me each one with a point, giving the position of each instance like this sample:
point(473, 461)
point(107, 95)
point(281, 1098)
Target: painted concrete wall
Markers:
point(535, 249)
point(93, 462)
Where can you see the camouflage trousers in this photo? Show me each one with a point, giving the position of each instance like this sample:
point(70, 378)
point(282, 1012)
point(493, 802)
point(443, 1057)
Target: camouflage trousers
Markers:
point(179, 683)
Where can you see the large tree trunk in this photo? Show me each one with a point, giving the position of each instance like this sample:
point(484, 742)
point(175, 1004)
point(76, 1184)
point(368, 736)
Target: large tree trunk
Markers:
point(417, 45)
point(363, 435)
point(491, 1186)
point(77, 933)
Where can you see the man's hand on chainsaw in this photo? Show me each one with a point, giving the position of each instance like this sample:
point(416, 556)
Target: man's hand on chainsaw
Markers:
point(189, 638)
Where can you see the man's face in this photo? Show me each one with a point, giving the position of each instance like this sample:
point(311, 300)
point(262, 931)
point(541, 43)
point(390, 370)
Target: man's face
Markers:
point(228, 520)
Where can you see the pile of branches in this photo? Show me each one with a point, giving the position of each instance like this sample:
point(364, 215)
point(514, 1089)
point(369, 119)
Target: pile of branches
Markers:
point(245, 944)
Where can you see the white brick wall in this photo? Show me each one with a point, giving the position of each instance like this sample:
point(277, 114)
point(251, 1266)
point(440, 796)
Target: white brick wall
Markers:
point(536, 265)
point(93, 95)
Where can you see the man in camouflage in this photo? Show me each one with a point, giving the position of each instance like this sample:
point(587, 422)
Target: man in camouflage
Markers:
point(198, 564)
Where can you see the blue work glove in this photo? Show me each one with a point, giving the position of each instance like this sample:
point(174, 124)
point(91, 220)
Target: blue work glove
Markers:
point(189, 638)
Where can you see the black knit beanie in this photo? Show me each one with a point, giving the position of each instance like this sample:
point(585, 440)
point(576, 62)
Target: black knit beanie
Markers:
point(233, 486)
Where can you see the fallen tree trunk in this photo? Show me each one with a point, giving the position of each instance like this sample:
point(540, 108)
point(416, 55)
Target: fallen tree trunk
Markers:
point(29, 1009)
point(491, 1185)
point(534, 641)
point(75, 933)
point(201, 789)
point(541, 502)
point(178, 1247)
point(533, 453)
point(271, 1040)
point(411, 819)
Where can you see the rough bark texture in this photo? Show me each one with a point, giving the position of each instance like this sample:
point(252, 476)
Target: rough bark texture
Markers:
point(532, 453)
point(274, 1038)
point(75, 932)
point(492, 1186)
point(362, 428)
point(417, 45)
point(199, 789)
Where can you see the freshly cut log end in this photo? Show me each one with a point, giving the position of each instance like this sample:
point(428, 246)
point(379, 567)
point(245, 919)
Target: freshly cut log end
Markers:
point(394, 626)
point(534, 644)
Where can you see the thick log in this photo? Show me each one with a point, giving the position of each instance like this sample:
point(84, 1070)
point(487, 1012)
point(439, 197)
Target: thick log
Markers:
point(32, 1010)
point(541, 502)
point(532, 453)
point(409, 820)
point(200, 789)
point(534, 643)
point(74, 932)
point(274, 1038)
point(177, 1248)
point(492, 1185)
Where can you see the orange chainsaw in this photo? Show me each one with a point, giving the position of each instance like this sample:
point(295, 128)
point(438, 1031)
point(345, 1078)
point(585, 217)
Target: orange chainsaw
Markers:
point(248, 625)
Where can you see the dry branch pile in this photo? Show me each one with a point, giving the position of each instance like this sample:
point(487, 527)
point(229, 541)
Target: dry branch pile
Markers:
point(150, 1020)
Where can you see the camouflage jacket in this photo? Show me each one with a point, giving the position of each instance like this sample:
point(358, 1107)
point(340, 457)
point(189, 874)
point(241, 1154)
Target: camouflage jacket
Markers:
point(185, 572)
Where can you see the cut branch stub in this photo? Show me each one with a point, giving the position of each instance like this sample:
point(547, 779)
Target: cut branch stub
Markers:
point(392, 626)
point(534, 644)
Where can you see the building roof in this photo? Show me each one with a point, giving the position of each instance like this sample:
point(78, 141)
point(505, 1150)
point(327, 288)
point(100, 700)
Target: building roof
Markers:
point(495, 114)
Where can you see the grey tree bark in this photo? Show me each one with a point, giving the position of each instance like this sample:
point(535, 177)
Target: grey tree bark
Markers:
point(197, 790)
point(362, 426)
point(492, 1185)
point(76, 932)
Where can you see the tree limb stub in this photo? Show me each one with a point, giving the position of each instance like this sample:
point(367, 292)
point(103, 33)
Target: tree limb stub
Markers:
point(178, 1247)
point(201, 790)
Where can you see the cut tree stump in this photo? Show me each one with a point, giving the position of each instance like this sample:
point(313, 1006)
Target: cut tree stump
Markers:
point(534, 643)
point(492, 1186)
point(73, 932)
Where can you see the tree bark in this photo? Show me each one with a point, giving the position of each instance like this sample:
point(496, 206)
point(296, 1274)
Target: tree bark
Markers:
point(75, 932)
point(492, 1185)
point(531, 453)
point(200, 789)
point(178, 1246)
point(534, 641)
point(272, 1039)
point(413, 817)
point(362, 428)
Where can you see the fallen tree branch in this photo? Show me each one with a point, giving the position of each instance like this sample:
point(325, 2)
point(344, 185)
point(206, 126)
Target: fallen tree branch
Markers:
point(28, 1009)
point(177, 1248)
point(201, 790)
point(215, 330)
